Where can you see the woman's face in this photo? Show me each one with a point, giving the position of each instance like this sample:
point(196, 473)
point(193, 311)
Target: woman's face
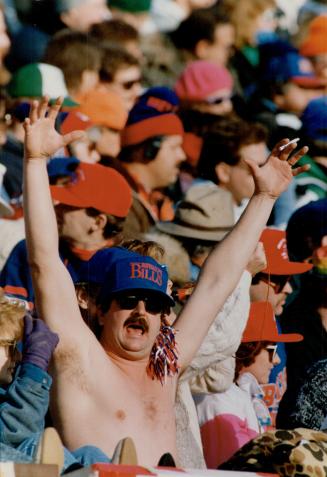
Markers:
point(263, 364)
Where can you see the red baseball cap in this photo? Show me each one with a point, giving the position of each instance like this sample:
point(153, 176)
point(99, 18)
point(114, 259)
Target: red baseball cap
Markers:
point(278, 262)
point(261, 326)
point(100, 187)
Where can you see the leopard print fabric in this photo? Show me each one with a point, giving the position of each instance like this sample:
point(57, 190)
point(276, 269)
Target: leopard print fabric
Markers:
point(294, 453)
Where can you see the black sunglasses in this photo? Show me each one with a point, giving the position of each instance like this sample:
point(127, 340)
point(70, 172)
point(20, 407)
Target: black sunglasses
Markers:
point(152, 304)
point(277, 282)
point(272, 351)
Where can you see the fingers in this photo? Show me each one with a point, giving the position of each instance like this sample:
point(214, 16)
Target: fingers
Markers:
point(299, 170)
point(73, 136)
point(43, 107)
point(54, 110)
point(294, 159)
point(34, 112)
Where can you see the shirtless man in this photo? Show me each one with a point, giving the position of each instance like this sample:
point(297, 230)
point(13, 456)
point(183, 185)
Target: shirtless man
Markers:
point(102, 390)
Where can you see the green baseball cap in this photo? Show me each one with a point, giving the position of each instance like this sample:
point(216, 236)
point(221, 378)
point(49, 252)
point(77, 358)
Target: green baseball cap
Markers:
point(37, 80)
point(135, 6)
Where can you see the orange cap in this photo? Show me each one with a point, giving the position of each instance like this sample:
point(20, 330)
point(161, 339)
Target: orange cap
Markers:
point(100, 187)
point(316, 41)
point(278, 263)
point(104, 108)
point(261, 326)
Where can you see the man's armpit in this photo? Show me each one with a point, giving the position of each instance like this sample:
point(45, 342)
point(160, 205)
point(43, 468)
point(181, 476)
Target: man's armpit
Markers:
point(68, 363)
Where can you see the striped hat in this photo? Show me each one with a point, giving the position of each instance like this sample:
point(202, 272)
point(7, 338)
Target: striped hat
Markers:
point(37, 80)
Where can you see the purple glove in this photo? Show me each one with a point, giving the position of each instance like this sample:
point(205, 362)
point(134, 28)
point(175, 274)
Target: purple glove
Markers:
point(39, 343)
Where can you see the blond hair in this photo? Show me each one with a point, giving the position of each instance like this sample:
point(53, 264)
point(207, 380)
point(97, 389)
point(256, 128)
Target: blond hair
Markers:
point(12, 312)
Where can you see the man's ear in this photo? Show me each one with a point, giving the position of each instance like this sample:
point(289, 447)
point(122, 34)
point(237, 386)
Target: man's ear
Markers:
point(100, 221)
point(82, 297)
point(223, 172)
point(201, 49)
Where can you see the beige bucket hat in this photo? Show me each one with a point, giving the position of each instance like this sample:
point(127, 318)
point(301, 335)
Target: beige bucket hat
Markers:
point(206, 213)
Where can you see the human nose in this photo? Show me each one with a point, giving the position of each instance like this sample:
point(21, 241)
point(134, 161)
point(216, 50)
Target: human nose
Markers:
point(140, 307)
point(276, 359)
point(287, 288)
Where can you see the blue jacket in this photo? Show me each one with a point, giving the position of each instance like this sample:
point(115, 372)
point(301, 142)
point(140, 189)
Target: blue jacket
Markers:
point(23, 405)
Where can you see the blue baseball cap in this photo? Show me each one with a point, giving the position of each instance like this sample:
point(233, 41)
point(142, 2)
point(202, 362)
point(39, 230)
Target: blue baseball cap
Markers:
point(314, 119)
point(62, 166)
point(291, 67)
point(136, 273)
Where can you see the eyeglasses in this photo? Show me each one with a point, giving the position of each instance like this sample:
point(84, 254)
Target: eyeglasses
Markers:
point(277, 282)
point(152, 304)
point(220, 100)
point(130, 84)
point(272, 351)
point(11, 345)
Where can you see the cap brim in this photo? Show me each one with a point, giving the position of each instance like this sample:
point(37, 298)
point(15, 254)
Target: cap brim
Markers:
point(68, 102)
point(287, 268)
point(282, 338)
point(309, 81)
point(181, 231)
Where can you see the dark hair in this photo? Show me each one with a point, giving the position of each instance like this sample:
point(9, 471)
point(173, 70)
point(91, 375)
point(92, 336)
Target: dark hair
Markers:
point(114, 58)
point(114, 225)
point(73, 52)
point(143, 152)
point(246, 354)
point(224, 142)
point(200, 25)
point(114, 31)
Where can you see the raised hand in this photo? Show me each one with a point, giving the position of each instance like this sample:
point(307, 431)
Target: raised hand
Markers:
point(276, 174)
point(41, 138)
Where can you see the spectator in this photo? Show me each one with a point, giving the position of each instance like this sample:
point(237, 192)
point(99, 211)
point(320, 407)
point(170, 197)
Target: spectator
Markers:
point(129, 333)
point(80, 15)
point(237, 141)
point(151, 155)
point(135, 13)
point(120, 73)
point(87, 220)
point(229, 420)
point(313, 185)
point(314, 45)
point(205, 87)
point(4, 48)
point(78, 58)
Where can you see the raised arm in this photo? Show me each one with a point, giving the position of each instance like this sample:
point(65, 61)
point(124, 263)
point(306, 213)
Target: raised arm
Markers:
point(224, 266)
point(54, 291)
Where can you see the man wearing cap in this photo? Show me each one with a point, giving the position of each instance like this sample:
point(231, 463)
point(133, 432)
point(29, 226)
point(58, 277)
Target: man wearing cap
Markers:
point(151, 154)
point(126, 383)
point(90, 213)
point(273, 285)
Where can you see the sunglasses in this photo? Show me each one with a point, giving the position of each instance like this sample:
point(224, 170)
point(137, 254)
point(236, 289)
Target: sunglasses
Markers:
point(277, 282)
point(11, 345)
point(272, 351)
point(152, 304)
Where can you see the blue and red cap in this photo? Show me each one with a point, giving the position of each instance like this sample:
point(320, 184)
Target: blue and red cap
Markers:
point(154, 114)
point(135, 273)
point(314, 119)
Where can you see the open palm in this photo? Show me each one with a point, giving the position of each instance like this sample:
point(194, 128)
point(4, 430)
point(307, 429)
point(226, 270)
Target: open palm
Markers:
point(41, 138)
point(275, 175)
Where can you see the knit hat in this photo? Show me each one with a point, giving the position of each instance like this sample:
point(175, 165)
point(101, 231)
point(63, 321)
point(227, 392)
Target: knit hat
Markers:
point(316, 40)
point(104, 108)
point(278, 263)
point(314, 119)
point(261, 326)
point(305, 229)
point(291, 67)
point(133, 6)
point(154, 114)
point(134, 272)
point(100, 187)
point(206, 213)
point(37, 80)
point(66, 5)
point(201, 79)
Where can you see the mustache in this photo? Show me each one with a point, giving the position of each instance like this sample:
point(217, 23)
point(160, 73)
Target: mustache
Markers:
point(137, 320)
